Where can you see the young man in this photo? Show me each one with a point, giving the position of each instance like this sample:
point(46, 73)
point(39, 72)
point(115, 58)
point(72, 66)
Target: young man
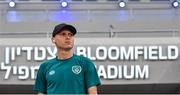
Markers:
point(67, 73)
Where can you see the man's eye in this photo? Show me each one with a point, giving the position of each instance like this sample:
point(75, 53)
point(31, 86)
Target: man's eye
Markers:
point(63, 34)
point(70, 34)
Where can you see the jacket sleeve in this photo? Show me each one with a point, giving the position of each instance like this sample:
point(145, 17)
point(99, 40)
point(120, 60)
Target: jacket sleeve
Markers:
point(40, 82)
point(91, 76)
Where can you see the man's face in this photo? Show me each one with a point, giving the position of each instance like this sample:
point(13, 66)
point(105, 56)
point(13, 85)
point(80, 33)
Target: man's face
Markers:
point(64, 40)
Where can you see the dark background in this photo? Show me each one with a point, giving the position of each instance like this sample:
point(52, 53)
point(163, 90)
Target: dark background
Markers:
point(106, 89)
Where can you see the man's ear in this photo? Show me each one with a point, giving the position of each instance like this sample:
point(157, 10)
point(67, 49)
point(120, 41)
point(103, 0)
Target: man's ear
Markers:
point(53, 40)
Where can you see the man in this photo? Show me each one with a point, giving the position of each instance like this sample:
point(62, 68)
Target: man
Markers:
point(68, 73)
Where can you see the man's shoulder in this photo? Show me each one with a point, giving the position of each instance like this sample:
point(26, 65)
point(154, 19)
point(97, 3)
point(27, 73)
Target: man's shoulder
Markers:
point(49, 62)
point(82, 58)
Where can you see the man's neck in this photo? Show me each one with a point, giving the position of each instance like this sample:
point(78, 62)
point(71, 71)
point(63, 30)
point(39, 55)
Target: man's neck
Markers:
point(64, 54)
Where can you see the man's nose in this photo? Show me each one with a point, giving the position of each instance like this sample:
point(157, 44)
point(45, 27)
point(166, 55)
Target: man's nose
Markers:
point(68, 36)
